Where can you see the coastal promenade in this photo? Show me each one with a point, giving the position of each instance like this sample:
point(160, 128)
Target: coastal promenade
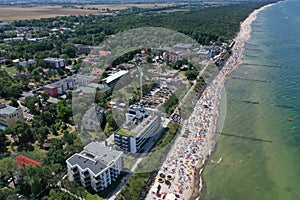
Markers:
point(176, 177)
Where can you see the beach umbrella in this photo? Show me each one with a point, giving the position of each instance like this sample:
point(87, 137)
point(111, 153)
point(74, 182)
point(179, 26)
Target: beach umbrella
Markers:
point(160, 180)
point(169, 177)
point(180, 188)
point(162, 175)
point(167, 182)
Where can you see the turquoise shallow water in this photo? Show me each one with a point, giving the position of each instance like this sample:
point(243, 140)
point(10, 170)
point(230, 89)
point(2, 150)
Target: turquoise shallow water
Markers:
point(259, 147)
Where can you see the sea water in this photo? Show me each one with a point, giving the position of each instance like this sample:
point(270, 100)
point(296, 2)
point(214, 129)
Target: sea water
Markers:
point(259, 146)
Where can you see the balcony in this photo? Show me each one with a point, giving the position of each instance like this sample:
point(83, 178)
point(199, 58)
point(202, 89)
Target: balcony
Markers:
point(99, 188)
point(76, 177)
point(99, 184)
point(86, 184)
point(98, 180)
point(85, 174)
point(85, 179)
point(74, 172)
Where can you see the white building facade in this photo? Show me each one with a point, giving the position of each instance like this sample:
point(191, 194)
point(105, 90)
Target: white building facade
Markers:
point(96, 166)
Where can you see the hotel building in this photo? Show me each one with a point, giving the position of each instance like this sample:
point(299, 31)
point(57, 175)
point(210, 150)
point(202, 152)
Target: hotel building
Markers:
point(141, 125)
point(96, 166)
point(10, 115)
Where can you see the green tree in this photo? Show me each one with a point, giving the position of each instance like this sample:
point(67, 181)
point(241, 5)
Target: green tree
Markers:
point(110, 120)
point(9, 168)
point(14, 103)
point(7, 194)
point(56, 194)
point(56, 155)
point(149, 59)
point(45, 96)
point(191, 74)
point(30, 104)
point(3, 141)
point(69, 50)
point(35, 179)
point(22, 133)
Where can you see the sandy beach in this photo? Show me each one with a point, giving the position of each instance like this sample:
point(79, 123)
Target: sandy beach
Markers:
point(232, 63)
point(180, 176)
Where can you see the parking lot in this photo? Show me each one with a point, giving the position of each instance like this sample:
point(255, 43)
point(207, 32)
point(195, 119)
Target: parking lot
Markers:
point(156, 97)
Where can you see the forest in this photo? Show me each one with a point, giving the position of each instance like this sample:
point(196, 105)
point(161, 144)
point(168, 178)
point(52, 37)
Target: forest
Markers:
point(202, 24)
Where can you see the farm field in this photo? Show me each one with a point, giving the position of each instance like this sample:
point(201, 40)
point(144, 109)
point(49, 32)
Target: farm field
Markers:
point(124, 6)
point(17, 13)
point(12, 13)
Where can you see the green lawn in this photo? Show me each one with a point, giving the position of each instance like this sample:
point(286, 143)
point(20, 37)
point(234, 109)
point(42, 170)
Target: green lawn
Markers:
point(125, 132)
point(10, 70)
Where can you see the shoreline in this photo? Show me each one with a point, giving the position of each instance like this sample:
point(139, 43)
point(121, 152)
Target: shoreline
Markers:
point(189, 154)
point(231, 64)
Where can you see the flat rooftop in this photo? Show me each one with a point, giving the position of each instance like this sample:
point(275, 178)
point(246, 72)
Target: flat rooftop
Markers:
point(85, 163)
point(115, 76)
point(106, 154)
point(7, 109)
point(94, 157)
point(136, 130)
point(54, 59)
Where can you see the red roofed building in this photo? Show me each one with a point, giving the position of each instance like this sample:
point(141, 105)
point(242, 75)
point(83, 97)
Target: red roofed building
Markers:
point(97, 72)
point(104, 53)
point(23, 160)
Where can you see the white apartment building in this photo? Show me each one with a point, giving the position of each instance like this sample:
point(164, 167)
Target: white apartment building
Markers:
point(96, 166)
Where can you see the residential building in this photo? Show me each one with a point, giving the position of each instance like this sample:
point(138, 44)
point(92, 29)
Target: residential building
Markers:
point(13, 39)
point(93, 118)
point(55, 62)
point(97, 72)
point(136, 113)
point(112, 80)
point(9, 115)
point(83, 49)
point(104, 53)
point(92, 87)
point(96, 166)
point(141, 126)
point(167, 56)
point(27, 63)
point(84, 80)
point(59, 87)
point(3, 23)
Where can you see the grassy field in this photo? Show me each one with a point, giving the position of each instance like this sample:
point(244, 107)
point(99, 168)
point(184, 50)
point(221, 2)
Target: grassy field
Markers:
point(17, 13)
point(103, 7)
point(10, 70)
point(12, 13)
